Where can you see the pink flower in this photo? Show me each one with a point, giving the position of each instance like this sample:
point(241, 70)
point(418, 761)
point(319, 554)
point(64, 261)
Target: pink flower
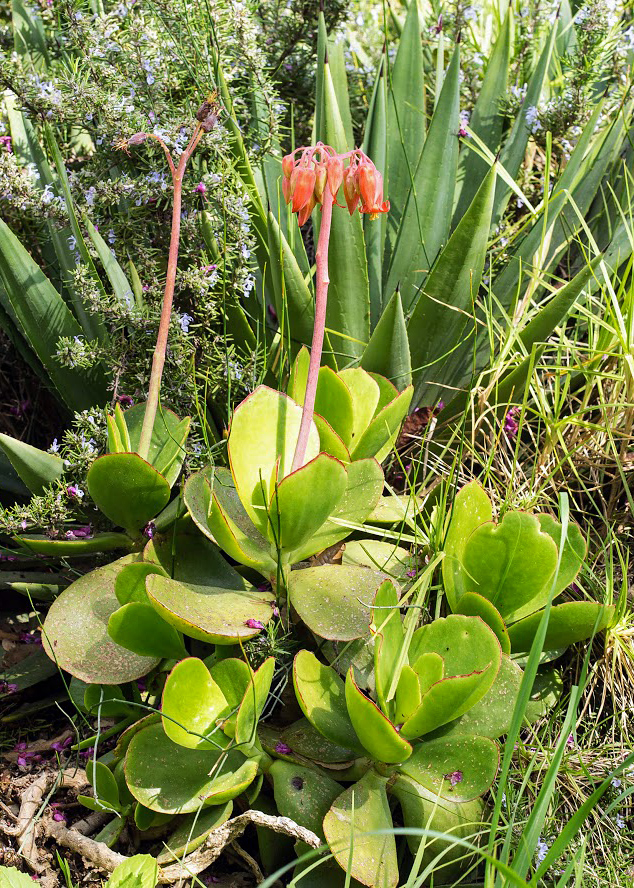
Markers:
point(454, 778)
point(254, 624)
point(201, 188)
point(282, 748)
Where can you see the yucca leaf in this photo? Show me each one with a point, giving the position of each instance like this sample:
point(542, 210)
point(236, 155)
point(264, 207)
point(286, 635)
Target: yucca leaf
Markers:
point(487, 119)
point(441, 324)
point(348, 313)
point(424, 226)
point(118, 281)
point(406, 120)
point(375, 146)
point(515, 145)
point(43, 317)
point(387, 352)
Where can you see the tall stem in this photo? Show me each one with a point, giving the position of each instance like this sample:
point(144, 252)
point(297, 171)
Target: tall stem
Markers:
point(321, 300)
point(158, 361)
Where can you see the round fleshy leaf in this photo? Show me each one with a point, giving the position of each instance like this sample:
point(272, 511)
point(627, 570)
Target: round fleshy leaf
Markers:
point(333, 401)
point(210, 613)
point(446, 700)
point(171, 779)
point(191, 832)
point(379, 436)
point(322, 697)
point(304, 500)
point(395, 509)
point(130, 583)
point(364, 486)
point(232, 677)
point(351, 827)
point(146, 819)
point(408, 695)
point(429, 668)
point(510, 563)
point(126, 736)
point(379, 555)
point(139, 628)
point(329, 440)
point(568, 623)
point(365, 394)
point(106, 701)
point(215, 508)
point(264, 430)
point(127, 489)
point(377, 734)
point(457, 768)
point(302, 794)
point(491, 715)
point(471, 508)
point(389, 639)
point(473, 605)
point(167, 444)
point(547, 690)
point(100, 542)
point(466, 645)
point(335, 601)
point(75, 633)
point(423, 809)
point(304, 740)
point(104, 786)
point(253, 700)
point(192, 704)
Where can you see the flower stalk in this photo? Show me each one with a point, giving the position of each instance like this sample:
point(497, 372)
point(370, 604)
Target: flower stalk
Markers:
point(314, 176)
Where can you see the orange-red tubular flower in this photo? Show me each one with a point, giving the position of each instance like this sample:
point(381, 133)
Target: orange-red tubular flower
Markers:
point(335, 174)
point(371, 189)
point(306, 210)
point(350, 189)
point(287, 165)
point(302, 187)
point(286, 188)
point(320, 182)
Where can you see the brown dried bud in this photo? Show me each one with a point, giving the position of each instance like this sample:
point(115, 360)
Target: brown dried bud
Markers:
point(203, 112)
point(209, 122)
point(136, 139)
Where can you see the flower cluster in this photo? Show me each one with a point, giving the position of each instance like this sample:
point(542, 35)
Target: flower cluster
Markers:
point(308, 172)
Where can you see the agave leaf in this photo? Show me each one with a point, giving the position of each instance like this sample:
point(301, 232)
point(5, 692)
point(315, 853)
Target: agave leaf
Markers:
point(348, 311)
point(424, 226)
point(36, 468)
point(441, 326)
point(515, 145)
point(375, 146)
point(487, 118)
point(387, 352)
point(116, 275)
point(43, 317)
point(406, 122)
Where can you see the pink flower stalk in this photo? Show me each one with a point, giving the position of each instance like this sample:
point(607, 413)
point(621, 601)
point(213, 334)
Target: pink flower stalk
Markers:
point(314, 175)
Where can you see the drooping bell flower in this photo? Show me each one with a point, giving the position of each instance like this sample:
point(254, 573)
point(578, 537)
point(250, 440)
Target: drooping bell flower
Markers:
point(371, 189)
point(308, 171)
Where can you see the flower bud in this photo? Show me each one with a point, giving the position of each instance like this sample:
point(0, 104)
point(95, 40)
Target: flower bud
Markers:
point(335, 174)
point(303, 186)
point(371, 189)
point(350, 189)
point(288, 165)
point(320, 182)
point(136, 139)
point(304, 213)
point(287, 189)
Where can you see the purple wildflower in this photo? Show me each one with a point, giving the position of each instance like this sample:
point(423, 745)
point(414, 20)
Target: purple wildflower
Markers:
point(149, 530)
point(201, 188)
point(209, 268)
point(254, 624)
point(272, 313)
point(74, 492)
point(570, 742)
point(412, 573)
point(87, 753)
point(30, 638)
point(7, 687)
point(510, 422)
point(5, 141)
point(61, 745)
point(282, 748)
point(20, 409)
point(126, 400)
point(454, 778)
